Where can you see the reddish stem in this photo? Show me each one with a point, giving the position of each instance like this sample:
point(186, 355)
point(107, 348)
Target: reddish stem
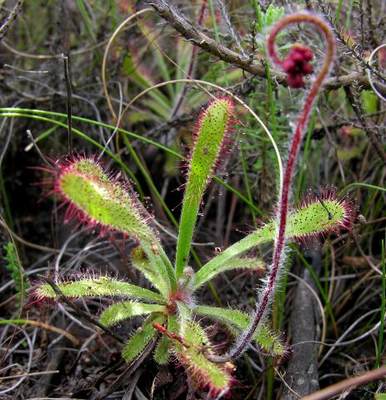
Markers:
point(278, 254)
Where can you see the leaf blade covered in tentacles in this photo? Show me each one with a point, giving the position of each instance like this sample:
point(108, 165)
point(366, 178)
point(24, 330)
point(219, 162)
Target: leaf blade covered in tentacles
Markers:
point(121, 311)
point(204, 374)
point(97, 199)
point(140, 340)
point(318, 215)
point(97, 287)
point(264, 337)
point(211, 142)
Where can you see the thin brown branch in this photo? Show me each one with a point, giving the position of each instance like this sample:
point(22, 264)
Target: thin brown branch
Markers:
point(351, 49)
point(42, 325)
point(350, 383)
point(80, 312)
point(10, 19)
point(126, 374)
point(370, 132)
point(195, 35)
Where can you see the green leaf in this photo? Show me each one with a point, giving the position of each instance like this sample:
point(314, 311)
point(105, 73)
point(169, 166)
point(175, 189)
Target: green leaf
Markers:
point(98, 287)
point(369, 101)
point(140, 339)
point(184, 312)
point(162, 351)
point(312, 219)
point(210, 269)
point(161, 266)
point(118, 312)
point(202, 372)
point(249, 263)
point(211, 137)
point(238, 319)
point(272, 14)
point(173, 324)
point(141, 263)
point(99, 199)
point(316, 218)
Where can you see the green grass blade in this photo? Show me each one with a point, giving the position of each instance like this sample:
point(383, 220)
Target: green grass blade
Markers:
point(86, 18)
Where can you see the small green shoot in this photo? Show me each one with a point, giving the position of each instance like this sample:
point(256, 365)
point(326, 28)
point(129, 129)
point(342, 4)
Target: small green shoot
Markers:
point(13, 266)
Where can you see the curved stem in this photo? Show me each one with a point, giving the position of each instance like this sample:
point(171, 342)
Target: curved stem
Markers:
point(278, 254)
point(107, 50)
point(192, 65)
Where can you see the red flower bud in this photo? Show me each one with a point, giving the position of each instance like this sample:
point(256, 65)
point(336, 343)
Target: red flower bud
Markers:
point(297, 65)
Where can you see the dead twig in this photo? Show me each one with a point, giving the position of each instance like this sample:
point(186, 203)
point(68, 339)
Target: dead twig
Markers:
point(80, 312)
point(41, 325)
point(10, 19)
point(350, 383)
point(193, 34)
point(129, 370)
point(302, 372)
point(370, 132)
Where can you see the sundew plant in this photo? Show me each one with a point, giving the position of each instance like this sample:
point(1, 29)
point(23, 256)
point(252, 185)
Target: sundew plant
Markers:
point(171, 312)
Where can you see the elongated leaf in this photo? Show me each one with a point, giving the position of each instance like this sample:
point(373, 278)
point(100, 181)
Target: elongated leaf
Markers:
point(238, 319)
point(161, 266)
point(118, 312)
point(317, 216)
point(140, 339)
point(162, 351)
point(141, 263)
point(249, 263)
point(211, 139)
point(210, 269)
point(203, 373)
point(98, 287)
point(96, 199)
